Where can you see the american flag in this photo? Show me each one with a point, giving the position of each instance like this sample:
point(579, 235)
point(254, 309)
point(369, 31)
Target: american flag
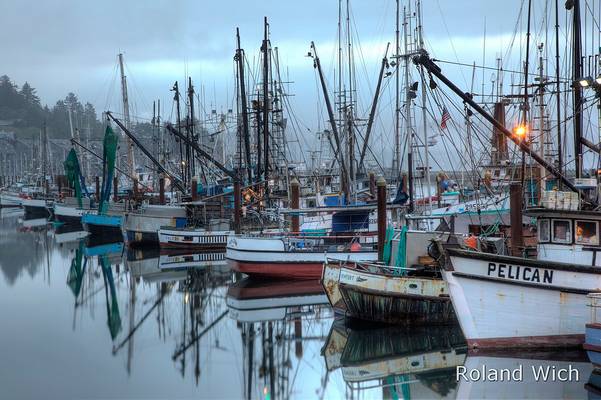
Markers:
point(445, 117)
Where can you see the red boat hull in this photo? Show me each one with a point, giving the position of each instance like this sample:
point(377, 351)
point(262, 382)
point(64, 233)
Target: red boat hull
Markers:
point(309, 270)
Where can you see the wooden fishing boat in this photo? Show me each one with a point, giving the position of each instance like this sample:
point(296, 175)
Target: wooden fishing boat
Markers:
point(541, 302)
point(407, 289)
point(296, 256)
point(373, 292)
point(592, 336)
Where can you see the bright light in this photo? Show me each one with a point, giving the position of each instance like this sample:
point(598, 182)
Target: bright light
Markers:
point(598, 80)
point(585, 82)
point(183, 163)
point(520, 131)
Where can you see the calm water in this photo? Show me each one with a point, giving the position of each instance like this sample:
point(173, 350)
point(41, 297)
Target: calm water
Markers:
point(96, 321)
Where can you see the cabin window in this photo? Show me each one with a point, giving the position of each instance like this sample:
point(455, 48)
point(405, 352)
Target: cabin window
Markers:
point(562, 231)
point(544, 232)
point(587, 232)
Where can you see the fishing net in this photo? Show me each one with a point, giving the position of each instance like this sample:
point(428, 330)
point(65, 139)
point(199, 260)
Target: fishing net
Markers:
point(73, 172)
point(109, 155)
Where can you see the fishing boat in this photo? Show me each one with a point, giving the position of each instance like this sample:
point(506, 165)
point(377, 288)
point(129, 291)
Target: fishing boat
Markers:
point(542, 301)
point(37, 207)
point(296, 256)
point(143, 226)
point(388, 294)
point(10, 198)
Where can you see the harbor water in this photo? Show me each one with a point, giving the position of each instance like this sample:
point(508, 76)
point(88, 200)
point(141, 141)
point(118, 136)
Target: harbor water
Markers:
point(88, 320)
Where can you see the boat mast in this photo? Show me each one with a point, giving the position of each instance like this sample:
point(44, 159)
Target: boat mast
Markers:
point(408, 127)
point(243, 105)
point(350, 106)
point(191, 163)
point(558, 89)
point(130, 145)
point(338, 151)
point(396, 166)
point(265, 49)
point(179, 127)
point(424, 112)
point(577, 93)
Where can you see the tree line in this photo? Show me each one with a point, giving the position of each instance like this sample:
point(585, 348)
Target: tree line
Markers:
point(21, 111)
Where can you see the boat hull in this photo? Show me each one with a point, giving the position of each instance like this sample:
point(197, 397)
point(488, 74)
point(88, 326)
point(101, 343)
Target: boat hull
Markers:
point(540, 304)
point(103, 226)
point(386, 298)
point(183, 238)
point(143, 228)
point(10, 200)
point(269, 258)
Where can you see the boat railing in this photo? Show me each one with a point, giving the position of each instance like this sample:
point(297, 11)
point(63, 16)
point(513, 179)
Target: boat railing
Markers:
point(370, 265)
point(594, 304)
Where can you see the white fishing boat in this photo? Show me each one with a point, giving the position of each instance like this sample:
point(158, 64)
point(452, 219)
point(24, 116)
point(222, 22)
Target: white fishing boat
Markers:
point(37, 207)
point(541, 302)
point(10, 199)
point(296, 256)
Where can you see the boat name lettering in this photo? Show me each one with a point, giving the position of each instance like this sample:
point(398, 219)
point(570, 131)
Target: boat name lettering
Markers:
point(521, 273)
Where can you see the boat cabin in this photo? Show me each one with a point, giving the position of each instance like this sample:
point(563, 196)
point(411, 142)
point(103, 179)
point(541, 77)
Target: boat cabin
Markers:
point(568, 235)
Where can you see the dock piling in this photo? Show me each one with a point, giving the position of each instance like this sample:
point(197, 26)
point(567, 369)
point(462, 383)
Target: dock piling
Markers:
point(381, 185)
point(162, 190)
point(294, 204)
point(237, 206)
point(515, 205)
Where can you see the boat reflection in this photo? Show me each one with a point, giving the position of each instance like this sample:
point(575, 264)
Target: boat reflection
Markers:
point(25, 246)
point(529, 386)
point(399, 362)
point(282, 324)
point(257, 300)
point(179, 301)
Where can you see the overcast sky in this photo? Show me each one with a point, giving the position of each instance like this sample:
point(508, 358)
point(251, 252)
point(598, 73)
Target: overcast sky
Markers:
point(61, 46)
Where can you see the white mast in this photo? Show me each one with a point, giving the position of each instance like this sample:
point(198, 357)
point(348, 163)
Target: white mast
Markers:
point(424, 114)
point(130, 145)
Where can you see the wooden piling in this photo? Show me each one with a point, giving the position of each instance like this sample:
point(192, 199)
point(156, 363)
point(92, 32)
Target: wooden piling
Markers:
point(194, 189)
point(381, 185)
point(97, 188)
point(135, 188)
point(237, 206)
point(294, 204)
point(162, 190)
point(372, 185)
point(115, 189)
point(515, 204)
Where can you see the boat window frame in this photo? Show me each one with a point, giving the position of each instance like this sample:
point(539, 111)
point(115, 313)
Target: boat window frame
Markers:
point(570, 233)
point(539, 230)
point(596, 234)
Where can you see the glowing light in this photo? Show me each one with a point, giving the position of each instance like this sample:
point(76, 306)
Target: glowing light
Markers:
point(520, 131)
point(586, 82)
point(598, 80)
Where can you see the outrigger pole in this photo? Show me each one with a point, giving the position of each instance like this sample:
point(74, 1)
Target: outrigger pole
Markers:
point(175, 181)
point(424, 60)
point(203, 153)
